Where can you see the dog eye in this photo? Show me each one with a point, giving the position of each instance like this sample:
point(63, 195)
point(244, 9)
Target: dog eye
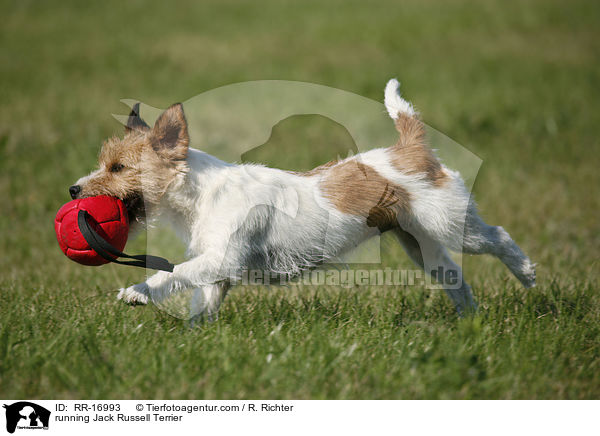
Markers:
point(115, 168)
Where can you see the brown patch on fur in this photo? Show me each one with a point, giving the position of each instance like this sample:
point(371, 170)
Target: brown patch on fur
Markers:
point(411, 154)
point(357, 189)
point(139, 168)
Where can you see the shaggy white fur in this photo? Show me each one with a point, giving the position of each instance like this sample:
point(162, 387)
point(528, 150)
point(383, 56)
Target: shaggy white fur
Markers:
point(235, 217)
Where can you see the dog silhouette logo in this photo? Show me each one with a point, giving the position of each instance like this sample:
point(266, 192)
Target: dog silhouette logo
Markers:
point(26, 415)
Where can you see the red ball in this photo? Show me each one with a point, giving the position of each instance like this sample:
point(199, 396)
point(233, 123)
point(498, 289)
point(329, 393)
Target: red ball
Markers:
point(108, 218)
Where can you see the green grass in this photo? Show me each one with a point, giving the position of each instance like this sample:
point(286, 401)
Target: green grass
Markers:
point(515, 82)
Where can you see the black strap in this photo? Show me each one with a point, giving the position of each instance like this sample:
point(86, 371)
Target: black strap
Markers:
point(104, 249)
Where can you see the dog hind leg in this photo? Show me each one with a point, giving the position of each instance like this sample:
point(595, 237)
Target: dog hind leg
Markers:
point(481, 238)
point(433, 258)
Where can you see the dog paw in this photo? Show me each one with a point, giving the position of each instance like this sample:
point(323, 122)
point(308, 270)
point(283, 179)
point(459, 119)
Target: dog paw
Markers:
point(527, 275)
point(136, 294)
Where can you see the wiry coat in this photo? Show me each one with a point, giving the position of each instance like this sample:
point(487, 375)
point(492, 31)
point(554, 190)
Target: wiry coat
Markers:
point(235, 217)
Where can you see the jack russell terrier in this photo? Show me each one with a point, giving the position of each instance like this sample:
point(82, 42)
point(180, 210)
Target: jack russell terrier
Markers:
point(212, 206)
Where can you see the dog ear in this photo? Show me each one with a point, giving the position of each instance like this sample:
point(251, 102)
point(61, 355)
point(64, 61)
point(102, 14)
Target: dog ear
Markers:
point(134, 122)
point(170, 137)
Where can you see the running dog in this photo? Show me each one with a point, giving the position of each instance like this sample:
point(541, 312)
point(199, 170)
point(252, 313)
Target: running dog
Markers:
point(235, 217)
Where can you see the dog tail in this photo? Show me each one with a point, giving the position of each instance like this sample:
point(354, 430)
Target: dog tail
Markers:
point(405, 117)
point(394, 103)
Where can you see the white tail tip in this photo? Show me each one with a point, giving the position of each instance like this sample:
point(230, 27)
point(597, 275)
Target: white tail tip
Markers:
point(394, 103)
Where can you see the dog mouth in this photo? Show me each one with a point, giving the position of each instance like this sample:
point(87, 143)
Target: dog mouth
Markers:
point(136, 209)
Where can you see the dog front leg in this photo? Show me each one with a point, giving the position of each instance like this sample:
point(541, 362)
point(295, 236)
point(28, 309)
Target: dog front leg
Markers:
point(134, 295)
point(158, 287)
point(206, 301)
point(200, 272)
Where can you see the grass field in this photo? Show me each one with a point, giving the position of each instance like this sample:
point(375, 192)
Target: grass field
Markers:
point(514, 82)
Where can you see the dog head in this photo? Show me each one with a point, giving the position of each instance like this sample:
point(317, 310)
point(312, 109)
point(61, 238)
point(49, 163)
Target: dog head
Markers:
point(140, 167)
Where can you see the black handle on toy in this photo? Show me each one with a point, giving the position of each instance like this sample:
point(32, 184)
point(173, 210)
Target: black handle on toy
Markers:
point(103, 248)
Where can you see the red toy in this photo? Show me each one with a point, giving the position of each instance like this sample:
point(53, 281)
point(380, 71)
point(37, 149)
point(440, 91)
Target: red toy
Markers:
point(107, 216)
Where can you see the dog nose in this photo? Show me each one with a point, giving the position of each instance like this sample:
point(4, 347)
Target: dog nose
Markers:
point(74, 190)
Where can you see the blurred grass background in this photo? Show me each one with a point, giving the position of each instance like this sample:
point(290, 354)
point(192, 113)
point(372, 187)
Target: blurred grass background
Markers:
point(516, 82)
